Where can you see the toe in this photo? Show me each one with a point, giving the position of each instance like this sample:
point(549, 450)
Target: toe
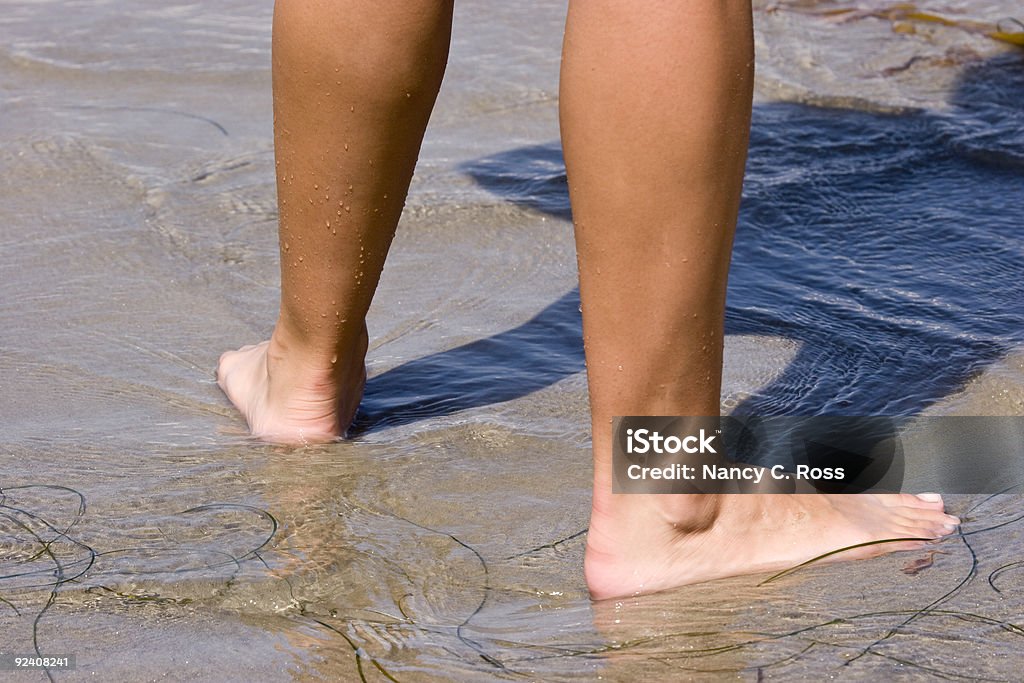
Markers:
point(931, 529)
point(926, 500)
point(930, 523)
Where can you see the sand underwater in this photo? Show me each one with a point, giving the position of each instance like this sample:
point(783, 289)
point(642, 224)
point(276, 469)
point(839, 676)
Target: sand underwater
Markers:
point(877, 271)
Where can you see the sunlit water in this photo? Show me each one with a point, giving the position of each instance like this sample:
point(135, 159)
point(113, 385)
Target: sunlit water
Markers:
point(876, 271)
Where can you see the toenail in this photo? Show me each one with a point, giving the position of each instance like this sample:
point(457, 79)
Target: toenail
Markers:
point(930, 497)
point(950, 527)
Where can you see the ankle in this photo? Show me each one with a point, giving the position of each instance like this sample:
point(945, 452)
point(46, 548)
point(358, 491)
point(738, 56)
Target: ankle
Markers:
point(661, 515)
point(327, 359)
point(318, 387)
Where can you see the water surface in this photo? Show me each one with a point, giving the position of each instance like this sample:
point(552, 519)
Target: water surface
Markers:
point(876, 271)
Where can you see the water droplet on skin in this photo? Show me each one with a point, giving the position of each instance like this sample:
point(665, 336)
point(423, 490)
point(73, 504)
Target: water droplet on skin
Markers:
point(620, 368)
point(351, 108)
point(333, 231)
point(300, 258)
point(323, 315)
point(286, 246)
point(348, 208)
point(334, 359)
point(346, 146)
point(349, 188)
point(315, 186)
point(328, 224)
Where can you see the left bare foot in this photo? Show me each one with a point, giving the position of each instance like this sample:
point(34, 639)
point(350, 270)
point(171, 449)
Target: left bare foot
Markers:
point(290, 395)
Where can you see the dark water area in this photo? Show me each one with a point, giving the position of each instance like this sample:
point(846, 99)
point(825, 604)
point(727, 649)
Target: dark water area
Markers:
point(891, 247)
point(888, 245)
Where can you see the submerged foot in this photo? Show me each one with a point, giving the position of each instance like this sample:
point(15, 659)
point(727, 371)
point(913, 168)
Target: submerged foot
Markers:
point(648, 543)
point(290, 396)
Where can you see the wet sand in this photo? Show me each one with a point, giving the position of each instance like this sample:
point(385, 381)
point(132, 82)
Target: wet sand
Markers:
point(143, 532)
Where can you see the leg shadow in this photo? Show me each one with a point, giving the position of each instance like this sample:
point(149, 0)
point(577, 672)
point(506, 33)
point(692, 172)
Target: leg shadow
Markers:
point(888, 247)
point(514, 363)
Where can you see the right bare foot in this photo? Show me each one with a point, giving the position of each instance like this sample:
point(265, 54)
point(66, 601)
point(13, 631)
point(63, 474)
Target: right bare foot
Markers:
point(648, 543)
point(288, 395)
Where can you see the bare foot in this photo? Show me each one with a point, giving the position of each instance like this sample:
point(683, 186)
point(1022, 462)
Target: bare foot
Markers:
point(648, 543)
point(289, 395)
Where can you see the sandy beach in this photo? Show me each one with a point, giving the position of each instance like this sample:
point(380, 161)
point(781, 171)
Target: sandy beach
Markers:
point(876, 272)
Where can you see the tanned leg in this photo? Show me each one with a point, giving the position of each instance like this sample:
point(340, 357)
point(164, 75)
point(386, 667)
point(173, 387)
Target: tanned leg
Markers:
point(655, 110)
point(354, 84)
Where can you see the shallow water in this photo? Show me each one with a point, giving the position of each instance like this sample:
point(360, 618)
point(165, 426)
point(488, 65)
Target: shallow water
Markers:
point(876, 271)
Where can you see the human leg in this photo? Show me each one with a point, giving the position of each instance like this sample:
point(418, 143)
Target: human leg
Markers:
point(354, 84)
point(655, 109)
